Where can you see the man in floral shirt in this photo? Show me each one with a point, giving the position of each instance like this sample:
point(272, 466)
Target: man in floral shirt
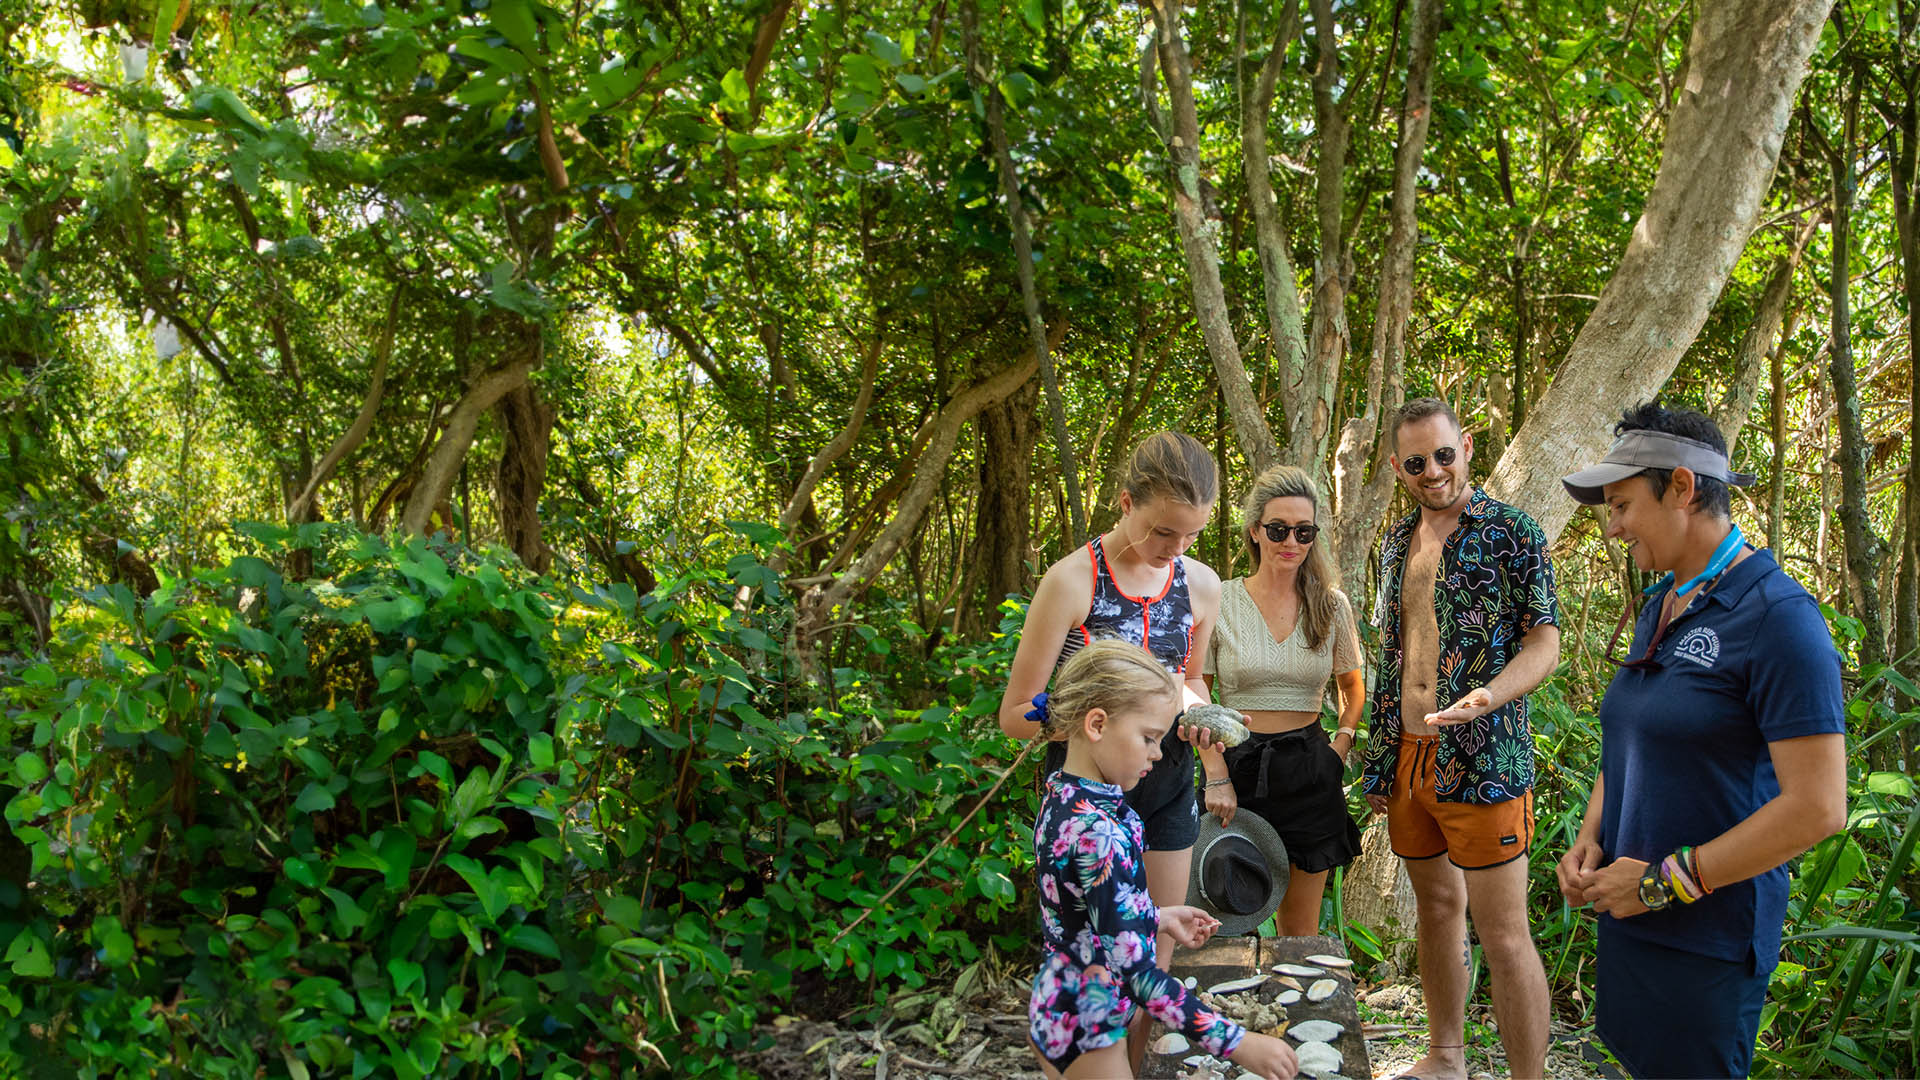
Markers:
point(1468, 625)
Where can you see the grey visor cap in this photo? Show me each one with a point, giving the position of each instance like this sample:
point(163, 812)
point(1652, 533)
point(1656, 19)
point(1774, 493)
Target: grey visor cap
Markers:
point(1637, 451)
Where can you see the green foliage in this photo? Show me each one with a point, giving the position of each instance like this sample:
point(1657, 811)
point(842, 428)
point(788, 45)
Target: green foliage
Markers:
point(423, 814)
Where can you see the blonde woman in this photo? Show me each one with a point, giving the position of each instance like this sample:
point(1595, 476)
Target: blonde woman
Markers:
point(1283, 631)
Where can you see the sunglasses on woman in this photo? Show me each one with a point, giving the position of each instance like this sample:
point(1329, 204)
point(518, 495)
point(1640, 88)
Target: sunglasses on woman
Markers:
point(1278, 531)
point(1415, 464)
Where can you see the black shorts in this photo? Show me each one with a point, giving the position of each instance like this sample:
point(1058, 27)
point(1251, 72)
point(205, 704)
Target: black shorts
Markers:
point(1294, 779)
point(1166, 798)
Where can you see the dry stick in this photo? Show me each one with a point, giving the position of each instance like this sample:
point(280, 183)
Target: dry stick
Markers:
point(908, 876)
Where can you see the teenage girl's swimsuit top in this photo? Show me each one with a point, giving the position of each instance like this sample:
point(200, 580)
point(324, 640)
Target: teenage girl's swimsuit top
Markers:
point(1098, 924)
point(1162, 624)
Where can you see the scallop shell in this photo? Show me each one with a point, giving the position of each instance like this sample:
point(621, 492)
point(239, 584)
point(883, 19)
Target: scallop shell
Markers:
point(1328, 960)
point(1234, 986)
point(1288, 997)
point(1171, 1043)
point(1318, 1059)
point(1323, 989)
point(1316, 1031)
point(1301, 970)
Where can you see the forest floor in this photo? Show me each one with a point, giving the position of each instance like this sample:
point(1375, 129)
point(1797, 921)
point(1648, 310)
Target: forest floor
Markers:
point(981, 1031)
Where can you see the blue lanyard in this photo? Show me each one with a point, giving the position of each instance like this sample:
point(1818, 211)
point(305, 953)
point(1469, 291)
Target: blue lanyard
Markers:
point(1723, 557)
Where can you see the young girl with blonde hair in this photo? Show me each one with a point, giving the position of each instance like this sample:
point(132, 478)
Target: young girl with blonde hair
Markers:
point(1111, 706)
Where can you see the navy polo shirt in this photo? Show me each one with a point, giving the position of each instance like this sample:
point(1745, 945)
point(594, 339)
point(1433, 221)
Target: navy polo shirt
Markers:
point(1683, 746)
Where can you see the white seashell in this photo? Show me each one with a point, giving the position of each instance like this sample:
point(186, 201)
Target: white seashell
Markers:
point(1171, 1043)
point(1234, 986)
point(1197, 1060)
point(1322, 990)
point(1330, 961)
point(1288, 997)
point(1301, 970)
point(1192, 982)
point(1318, 1059)
point(1315, 1031)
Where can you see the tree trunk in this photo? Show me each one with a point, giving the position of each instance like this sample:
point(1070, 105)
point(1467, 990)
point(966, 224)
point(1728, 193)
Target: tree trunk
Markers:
point(443, 463)
point(1856, 530)
point(1761, 341)
point(356, 433)
point(1023, 257)
point(1745, 62)
point(1328, 335)
point(1906, 217)
point(1008, 435)
point(527, 423)
point(1305, 392)
point(801, 503)
point(1199, 224)
point(1777, 485)
point(1359, 499)
point(938, 436)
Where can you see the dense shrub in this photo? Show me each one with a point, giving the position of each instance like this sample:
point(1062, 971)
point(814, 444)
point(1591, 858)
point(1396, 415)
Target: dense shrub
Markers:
point(423, 814)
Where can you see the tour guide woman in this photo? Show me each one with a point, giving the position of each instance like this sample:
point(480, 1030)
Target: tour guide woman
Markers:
point(1722, 756)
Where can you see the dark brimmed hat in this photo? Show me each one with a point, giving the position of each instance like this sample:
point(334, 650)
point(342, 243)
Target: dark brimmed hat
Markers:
point(1239, 872)
point(1635, 452)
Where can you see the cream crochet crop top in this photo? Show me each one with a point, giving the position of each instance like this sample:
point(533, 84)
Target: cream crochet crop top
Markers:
point(1252, 671)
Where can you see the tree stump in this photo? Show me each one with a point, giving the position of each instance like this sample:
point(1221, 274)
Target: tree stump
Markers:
point(1376, 894)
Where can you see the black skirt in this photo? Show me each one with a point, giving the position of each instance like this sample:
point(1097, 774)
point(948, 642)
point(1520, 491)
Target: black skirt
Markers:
point(1294, 780)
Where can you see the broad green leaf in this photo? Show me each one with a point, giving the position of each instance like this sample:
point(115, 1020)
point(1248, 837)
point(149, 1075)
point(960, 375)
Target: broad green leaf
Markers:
point(29, 768)
point(515, 21)
point(314, 798)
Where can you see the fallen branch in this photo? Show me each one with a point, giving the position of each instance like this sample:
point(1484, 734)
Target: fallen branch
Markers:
point(916, 868)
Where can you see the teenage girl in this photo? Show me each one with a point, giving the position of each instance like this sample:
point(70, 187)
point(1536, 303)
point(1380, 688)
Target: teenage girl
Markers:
point(1112, 705)
point(1284, 629)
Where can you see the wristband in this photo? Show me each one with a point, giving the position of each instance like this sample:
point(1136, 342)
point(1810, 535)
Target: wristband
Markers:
point(1693, 870)
point(1673, 874)
point(1220, 781)
point(1351, 733)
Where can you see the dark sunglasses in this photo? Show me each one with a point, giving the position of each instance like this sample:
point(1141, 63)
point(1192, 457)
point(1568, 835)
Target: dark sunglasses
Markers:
point(1415, 464)
point(1277, 531)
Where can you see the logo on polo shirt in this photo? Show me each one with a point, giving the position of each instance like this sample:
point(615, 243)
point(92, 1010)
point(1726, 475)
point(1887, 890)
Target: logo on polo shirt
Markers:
point(1700, 645)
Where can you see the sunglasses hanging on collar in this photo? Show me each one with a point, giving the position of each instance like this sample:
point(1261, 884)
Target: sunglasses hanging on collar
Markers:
point(1723, 557)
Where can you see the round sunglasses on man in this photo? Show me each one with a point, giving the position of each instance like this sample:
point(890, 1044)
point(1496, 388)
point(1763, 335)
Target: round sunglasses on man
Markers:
point(1415, 464)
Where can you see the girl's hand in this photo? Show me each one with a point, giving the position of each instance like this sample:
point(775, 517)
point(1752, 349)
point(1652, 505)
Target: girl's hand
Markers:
point(1189, 926)
point(1575, 870)
point(1615, 888)
point(1222, 801)
point(1266, 1057)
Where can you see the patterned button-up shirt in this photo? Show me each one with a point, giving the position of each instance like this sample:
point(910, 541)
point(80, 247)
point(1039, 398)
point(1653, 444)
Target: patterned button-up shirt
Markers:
point(1495, 584)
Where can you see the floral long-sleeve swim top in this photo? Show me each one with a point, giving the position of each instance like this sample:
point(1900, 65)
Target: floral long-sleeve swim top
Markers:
point(1095, 913)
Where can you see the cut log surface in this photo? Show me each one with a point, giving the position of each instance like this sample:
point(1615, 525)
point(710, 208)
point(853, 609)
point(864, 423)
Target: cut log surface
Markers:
point(1226, 959)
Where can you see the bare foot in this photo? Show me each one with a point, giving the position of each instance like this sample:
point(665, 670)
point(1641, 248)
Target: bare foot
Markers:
point(1446, 1063)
